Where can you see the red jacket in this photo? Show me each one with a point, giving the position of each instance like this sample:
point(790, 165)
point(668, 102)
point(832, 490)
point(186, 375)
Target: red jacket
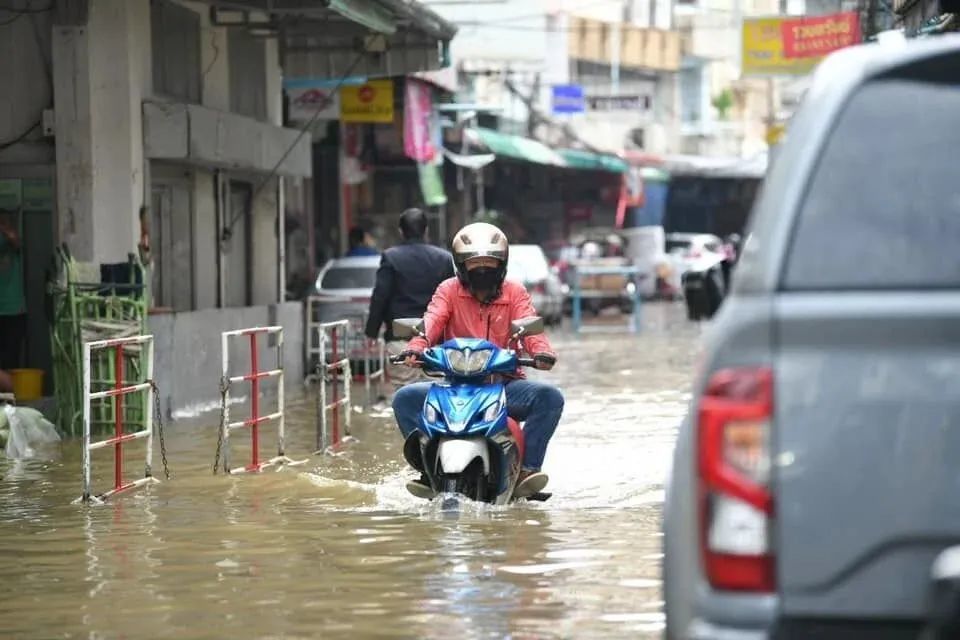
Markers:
point(454, 312)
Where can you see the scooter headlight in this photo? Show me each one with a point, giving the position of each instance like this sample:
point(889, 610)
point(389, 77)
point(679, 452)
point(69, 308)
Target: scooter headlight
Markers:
point(430, 413)
point(467, 362)
point(491, 413)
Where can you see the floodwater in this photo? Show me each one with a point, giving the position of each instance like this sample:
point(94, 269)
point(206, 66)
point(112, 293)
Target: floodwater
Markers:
point(336, 548)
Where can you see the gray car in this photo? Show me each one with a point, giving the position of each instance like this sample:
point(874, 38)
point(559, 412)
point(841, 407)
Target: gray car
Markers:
point(817, 474)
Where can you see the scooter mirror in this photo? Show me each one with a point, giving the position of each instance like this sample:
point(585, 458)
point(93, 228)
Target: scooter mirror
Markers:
point(407, 327)
point(530, 326)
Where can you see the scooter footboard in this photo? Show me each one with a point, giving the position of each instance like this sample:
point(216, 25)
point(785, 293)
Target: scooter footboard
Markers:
point(456, 453)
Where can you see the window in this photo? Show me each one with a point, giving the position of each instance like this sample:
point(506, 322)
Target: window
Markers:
point(350, 278)
point(691, 94)
point(883, 206)
point(248, 74)
point(175, 33)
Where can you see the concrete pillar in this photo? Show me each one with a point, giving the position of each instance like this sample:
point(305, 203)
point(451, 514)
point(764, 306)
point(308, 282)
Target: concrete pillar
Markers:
point(101, 72)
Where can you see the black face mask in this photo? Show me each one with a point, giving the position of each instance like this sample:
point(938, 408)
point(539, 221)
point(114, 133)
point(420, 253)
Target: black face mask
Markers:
point(484, 279)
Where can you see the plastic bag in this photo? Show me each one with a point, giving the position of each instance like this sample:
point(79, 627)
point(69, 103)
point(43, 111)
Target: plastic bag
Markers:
point(26, 429)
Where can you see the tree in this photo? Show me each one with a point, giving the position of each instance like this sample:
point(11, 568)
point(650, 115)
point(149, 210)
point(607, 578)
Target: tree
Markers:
point(722, 103)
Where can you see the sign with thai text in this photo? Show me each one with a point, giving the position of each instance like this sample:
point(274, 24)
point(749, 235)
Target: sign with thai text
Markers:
point(817, 36)
point(567, 98)
point(369, 102)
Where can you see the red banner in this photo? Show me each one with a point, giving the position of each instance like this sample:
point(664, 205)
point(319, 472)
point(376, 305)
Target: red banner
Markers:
point(816, 36)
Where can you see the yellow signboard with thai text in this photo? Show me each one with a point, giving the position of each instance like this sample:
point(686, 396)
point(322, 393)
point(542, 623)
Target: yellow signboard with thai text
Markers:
point(794, 45)
point(368, 102)
point(763, 50)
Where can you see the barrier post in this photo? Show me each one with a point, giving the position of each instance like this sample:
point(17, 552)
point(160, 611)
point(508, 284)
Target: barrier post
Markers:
point(255, 420)
point(116, 393)
point(328, 436)
point(375, 353)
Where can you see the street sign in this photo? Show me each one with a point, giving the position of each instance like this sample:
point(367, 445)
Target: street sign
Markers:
point(370, 102)
point(567, 98)
point(619, 103)
point(305, 102)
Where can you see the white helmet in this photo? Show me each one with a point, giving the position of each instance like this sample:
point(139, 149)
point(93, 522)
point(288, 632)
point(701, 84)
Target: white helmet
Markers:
point(481, 240)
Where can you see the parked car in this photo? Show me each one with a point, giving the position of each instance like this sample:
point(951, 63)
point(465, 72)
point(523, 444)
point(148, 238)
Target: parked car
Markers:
point(814, 480)
point(343, 290)
point(528, 265)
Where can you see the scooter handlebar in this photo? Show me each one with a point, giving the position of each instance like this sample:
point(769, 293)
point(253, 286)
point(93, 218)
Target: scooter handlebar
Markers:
point(526, 362)
point(402, 357)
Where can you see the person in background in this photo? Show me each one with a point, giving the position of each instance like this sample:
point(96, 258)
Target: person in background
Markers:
point(13, 306)
point(361, 243)
point(408, 275)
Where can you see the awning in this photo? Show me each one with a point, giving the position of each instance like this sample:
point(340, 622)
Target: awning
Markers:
point(515, 147)
point(578, 159)
point(327, 39)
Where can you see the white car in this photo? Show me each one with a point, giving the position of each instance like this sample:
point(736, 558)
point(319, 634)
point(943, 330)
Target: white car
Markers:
point(343, 290)
point(528, 265)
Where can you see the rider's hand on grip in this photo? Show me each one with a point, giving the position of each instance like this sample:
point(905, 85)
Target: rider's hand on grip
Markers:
point(412, 358)
point(544, 361)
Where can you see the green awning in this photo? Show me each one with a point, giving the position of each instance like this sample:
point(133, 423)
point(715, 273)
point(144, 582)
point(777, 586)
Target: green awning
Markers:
point(578, 159)
point(516, 147)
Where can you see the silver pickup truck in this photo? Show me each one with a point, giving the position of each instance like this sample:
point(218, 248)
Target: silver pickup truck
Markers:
point(816, 479)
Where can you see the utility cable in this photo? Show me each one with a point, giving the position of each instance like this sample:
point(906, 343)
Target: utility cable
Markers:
point(20, 138)
point(26, 10)
point(228, 228)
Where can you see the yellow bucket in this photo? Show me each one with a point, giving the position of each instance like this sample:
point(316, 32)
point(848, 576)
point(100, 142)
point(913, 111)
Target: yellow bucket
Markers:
point(27, 384)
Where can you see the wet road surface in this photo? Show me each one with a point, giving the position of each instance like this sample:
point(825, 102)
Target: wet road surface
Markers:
point(336, 548)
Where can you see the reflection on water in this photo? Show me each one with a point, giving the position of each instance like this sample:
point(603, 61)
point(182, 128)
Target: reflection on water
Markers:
point(336, 548)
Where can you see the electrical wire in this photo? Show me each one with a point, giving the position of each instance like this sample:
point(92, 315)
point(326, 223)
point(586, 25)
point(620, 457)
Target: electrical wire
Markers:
point(531, 16)
point(20, 138)
point(26, 10)
point(227, 229)
point(216, 53)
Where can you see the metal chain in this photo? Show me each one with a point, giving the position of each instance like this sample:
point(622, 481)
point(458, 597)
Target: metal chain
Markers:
point(224, 387)
point(158, 418)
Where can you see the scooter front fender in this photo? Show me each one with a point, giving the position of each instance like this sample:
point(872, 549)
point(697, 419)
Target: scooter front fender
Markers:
point(456, 453)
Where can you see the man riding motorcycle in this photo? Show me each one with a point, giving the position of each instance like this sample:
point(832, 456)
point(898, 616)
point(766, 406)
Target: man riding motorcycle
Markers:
point(480, 303)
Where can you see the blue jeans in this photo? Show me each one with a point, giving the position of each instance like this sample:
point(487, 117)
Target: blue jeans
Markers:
point(537, 405)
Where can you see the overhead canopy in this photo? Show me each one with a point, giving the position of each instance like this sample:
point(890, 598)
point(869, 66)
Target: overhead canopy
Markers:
point(327, 39)
point(579, 159)
point(529, 150)
point(515, 147)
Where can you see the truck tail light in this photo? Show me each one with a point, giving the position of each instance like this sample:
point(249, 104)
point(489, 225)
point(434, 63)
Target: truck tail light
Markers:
point(736, 506)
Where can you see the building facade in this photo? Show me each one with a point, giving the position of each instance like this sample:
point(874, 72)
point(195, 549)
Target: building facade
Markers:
point(154, 129)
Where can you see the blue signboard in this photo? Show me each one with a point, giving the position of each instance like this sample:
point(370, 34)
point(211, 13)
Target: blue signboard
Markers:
point(568, 98)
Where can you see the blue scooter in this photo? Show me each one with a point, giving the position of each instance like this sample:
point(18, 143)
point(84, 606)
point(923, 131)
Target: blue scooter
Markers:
point(466, 443)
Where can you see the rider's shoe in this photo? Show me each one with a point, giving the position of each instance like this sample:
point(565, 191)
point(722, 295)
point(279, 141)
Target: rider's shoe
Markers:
point(421, 487)
point(529, 483)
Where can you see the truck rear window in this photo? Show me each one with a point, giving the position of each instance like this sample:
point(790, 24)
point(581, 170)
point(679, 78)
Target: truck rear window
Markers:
point(882, 209)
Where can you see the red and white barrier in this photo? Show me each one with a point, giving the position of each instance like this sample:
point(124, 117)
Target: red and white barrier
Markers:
point(118, 392)
point(332, 334)
point(255, 420)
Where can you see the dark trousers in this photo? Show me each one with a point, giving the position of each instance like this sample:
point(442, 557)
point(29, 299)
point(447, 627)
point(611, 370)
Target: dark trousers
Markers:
point(13, 341)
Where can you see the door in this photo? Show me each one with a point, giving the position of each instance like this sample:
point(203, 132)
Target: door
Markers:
point(171, 242)
point(237, 276)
